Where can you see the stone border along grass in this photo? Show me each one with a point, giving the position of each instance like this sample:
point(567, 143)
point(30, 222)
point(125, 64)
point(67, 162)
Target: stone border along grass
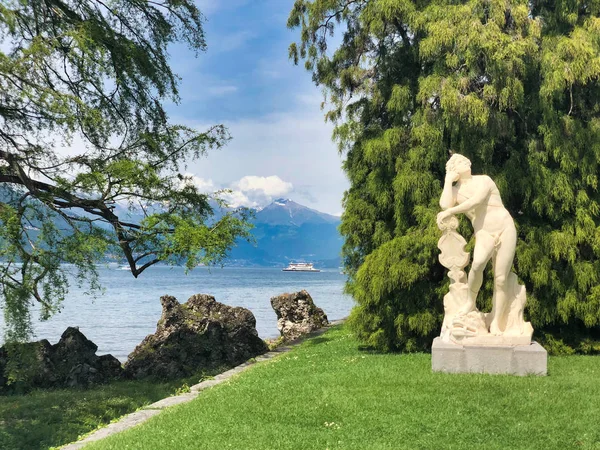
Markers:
point(146, 412)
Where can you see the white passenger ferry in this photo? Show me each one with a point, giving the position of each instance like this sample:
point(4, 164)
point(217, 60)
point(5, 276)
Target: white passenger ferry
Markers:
point(300, 267)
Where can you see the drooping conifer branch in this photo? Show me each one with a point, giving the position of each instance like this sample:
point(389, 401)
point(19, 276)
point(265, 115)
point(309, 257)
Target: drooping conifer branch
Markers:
point(96, 74)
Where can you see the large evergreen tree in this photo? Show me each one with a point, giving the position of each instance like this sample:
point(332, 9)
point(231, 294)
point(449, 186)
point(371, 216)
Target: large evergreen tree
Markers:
point(96, 71)
point(511, 84)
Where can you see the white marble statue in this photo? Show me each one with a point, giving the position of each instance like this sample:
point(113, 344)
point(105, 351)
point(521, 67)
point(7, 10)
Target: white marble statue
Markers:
point(478, 198)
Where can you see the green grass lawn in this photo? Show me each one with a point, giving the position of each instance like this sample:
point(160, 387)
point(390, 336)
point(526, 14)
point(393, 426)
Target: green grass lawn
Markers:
point(46, 418)
point(327, 393)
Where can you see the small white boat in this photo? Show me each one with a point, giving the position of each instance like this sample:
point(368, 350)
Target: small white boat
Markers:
point(124, 268)
point(300, 267)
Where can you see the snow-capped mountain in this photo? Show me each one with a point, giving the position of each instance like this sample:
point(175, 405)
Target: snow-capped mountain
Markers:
point(284, 231)
point(287, 231)
point(288, 212)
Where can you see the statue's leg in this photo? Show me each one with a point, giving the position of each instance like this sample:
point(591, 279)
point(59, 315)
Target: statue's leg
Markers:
point(503, 261)
point(484, 247)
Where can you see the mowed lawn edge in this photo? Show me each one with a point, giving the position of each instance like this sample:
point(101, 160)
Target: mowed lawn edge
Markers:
point(327, 393)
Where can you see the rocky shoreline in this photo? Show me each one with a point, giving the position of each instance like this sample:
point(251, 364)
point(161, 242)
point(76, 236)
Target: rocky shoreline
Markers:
point(198, 334)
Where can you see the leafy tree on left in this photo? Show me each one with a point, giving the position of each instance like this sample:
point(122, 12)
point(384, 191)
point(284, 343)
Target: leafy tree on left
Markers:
point(96, 73)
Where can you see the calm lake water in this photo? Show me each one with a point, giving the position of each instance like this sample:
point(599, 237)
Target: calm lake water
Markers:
point(129, 309)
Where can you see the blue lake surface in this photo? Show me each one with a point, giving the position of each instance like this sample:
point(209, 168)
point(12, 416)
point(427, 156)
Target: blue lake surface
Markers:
point(129, 309)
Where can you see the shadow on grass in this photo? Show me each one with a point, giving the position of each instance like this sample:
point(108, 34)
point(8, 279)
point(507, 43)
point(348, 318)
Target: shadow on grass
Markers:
point(372, 350)
point(47, 418)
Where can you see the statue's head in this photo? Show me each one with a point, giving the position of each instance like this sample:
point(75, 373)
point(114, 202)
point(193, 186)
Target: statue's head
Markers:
point(458, 164)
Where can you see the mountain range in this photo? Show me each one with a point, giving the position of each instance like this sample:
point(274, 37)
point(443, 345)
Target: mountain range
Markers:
point(284, 231)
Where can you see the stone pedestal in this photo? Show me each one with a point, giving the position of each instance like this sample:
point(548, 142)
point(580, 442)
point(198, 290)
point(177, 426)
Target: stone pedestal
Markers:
point(519, 360)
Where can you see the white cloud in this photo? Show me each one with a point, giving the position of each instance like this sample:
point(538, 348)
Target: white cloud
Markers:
point(250, 191)
point(272, 186)
point(235, 199)
point(294, 145)
point(201, 184)
point(254, 191)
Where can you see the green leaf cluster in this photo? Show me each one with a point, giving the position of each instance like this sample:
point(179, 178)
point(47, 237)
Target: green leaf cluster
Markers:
point(92, 76)
point(511, 84)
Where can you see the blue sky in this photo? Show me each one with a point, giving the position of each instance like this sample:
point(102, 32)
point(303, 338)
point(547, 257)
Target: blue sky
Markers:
point(281, 145)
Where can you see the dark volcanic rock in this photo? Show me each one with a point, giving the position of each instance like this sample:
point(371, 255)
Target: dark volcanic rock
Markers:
point(199, 334)
point(297, 314)
point(70, 362)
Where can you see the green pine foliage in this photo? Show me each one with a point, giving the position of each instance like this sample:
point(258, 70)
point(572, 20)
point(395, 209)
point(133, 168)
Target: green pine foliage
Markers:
point(511, 84)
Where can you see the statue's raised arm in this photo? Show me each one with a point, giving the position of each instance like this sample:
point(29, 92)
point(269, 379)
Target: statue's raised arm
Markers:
point(478, 198)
